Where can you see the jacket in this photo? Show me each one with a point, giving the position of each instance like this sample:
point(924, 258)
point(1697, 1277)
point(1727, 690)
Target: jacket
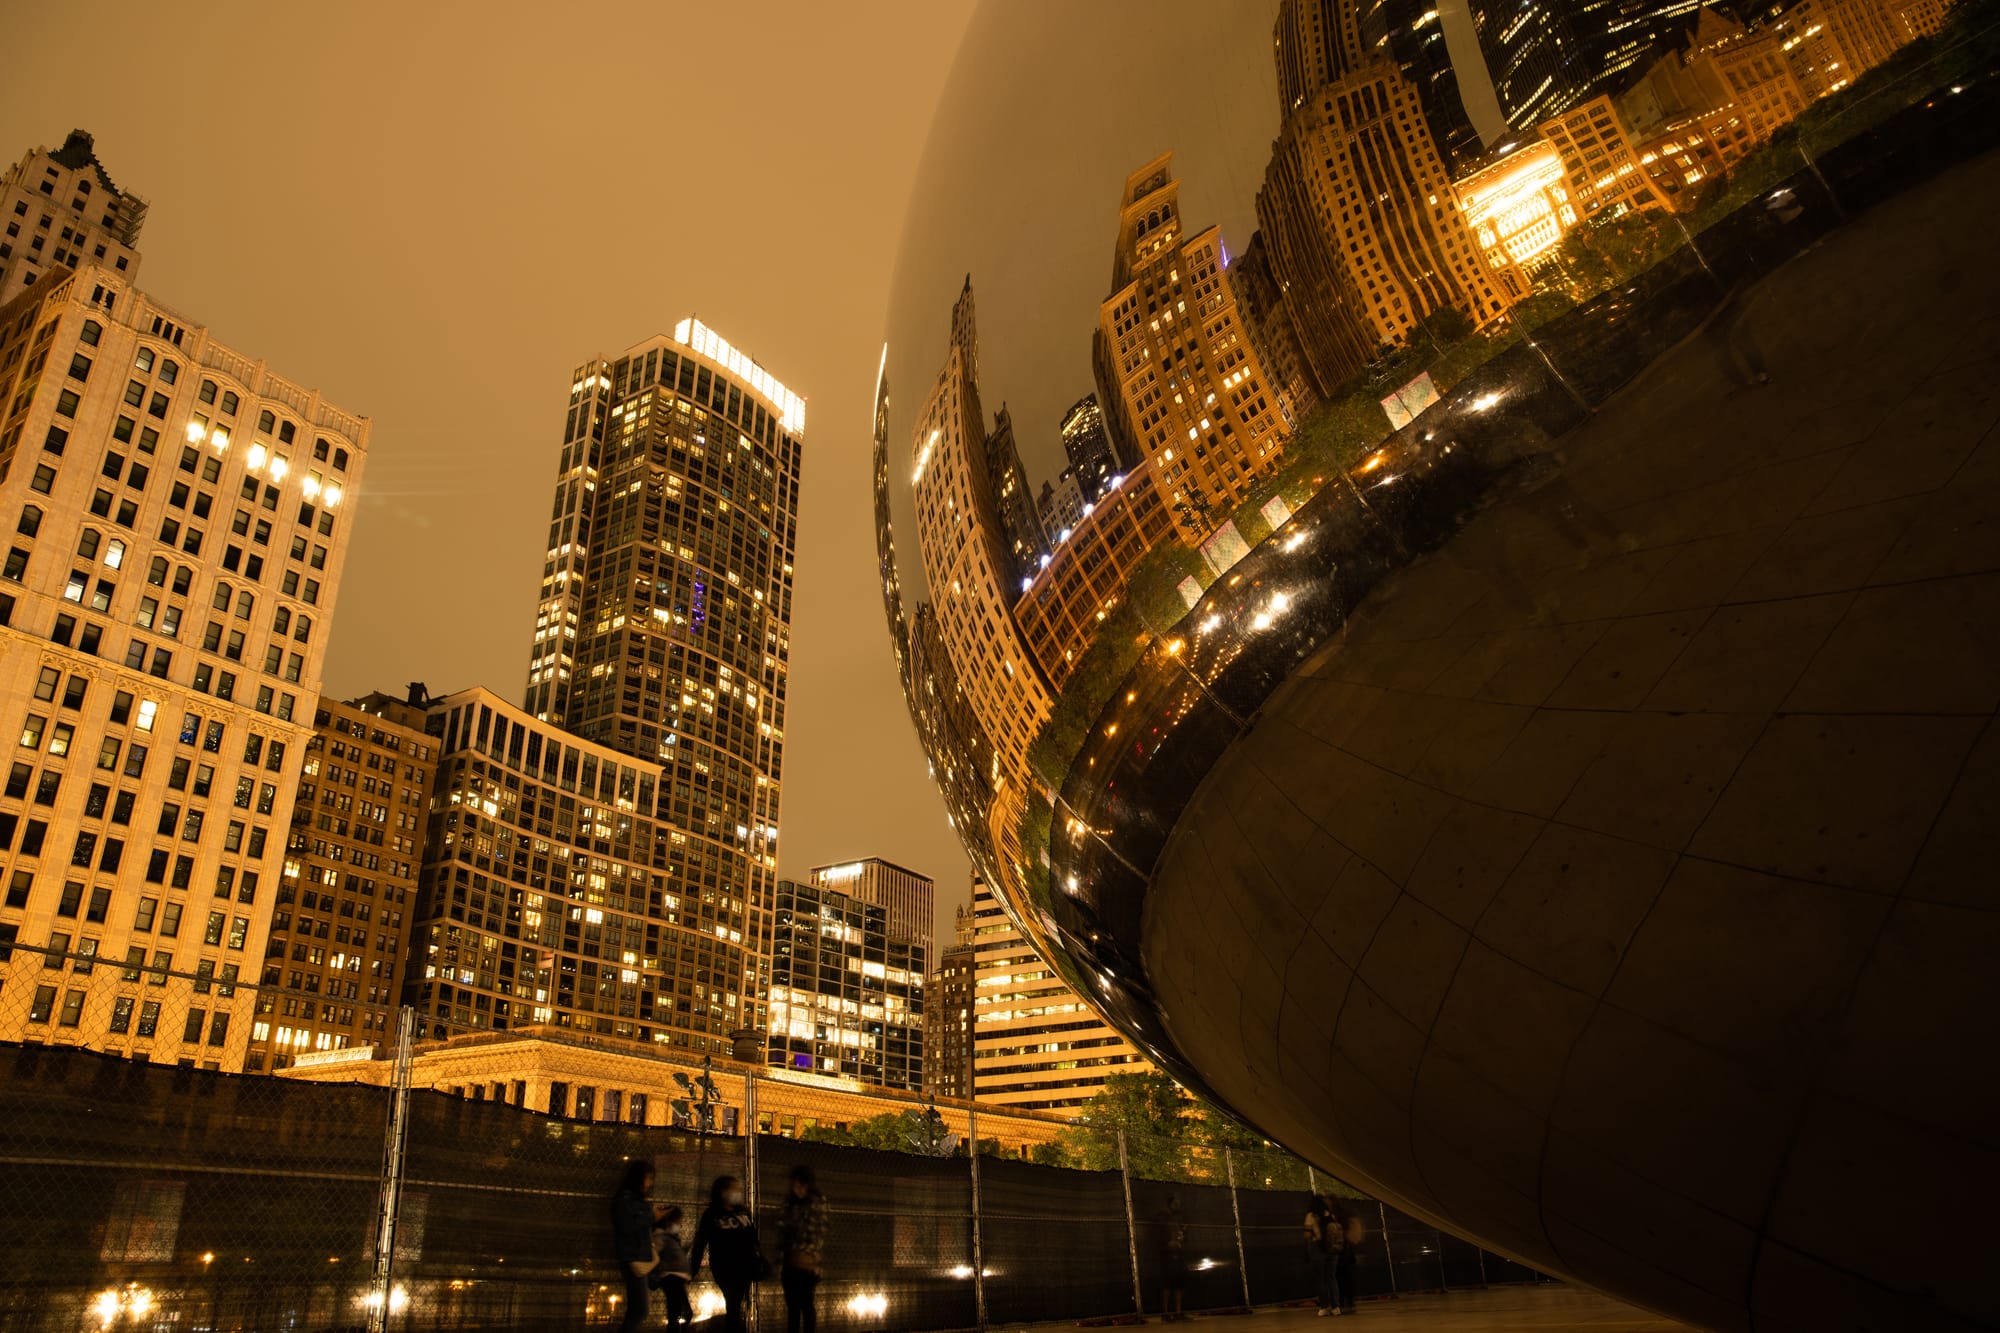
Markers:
point(673, 1256)
point(632, 1227)
point(802, 1231)
point(728, 1237)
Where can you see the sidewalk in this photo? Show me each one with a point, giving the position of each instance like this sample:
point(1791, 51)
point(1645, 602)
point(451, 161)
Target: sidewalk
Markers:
point(1512, 1309)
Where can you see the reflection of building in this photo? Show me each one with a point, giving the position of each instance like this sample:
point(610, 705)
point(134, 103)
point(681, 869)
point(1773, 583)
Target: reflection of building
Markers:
point(948, 1001)
point(1038, 1045)
point(1831, 43)
point(966, 560)
point(1273, 332)
point(1519, 209)
point(177, 521)
point(1617, 35)
point(1086, 442)
point(566, 883)
point(1061, 609)
point(1061, 506)
point(1416, 41)
point(564, 1074)
point(1606, 177)
point(340, 930)
point(62, 210)
point(1728, 76)
point(1355, 174)
point(910, 899)
point(847, 995)
point(1535, 56)
point(1192, 388)
point(1013, 502)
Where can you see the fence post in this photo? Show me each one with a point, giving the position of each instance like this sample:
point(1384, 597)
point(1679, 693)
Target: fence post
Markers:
point(1824, 183)
point(1388, 1255)
point(1131, 1225)
point(1236, 1213)
point(1444, 1280)
point(1312, 1181)
point(978, 1250)
point(382, 1285)
point(750, 1162)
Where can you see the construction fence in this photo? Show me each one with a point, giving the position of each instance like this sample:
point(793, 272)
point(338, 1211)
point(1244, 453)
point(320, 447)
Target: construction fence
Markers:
point(140, 1190)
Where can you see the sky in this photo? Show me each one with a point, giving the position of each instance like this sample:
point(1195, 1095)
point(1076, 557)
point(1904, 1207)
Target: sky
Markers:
point(433, 213)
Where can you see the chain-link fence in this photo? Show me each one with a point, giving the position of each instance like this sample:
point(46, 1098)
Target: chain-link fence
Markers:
point(145, 1185)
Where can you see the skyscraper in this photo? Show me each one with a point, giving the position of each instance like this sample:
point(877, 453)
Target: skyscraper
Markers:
point(1357, 203)
point(909, 898)
point(639, 790)
point(1038, 1046)
point(61, 210)
point(178, 519)
point(1192, 388)
point(847, 995)
point(948, 1004)
point(966, 560)
point(341, 928)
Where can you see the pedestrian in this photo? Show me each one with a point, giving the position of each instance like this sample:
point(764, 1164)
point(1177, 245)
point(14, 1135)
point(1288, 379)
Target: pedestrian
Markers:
point(633, 1214)
point(727, 1235)
point(802, 1244)
point(1352, 1232)
point(1171, 1227)
point(1324, 1241)
point(671, 1274)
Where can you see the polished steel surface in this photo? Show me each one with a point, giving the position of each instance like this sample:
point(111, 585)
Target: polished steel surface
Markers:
point(1588, 609)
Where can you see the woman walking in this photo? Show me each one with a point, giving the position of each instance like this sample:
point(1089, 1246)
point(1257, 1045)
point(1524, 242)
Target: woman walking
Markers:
point(802, 1240)
point(633, 1215)
point(727, 1235)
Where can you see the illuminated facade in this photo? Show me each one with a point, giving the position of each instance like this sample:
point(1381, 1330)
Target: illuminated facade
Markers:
point(949, 993)
point(1831, 43)
point(177, 519)
point(910, 899)
point(1603, 168)
point(1519, 210)
point(1355, 153)
point(1202, 414)
point(966, 560)
point(663, 636)
point(1734, 86)
point(1061, 608)
point(340, 929)
point(847, 995)
point(61, 209)
point(563, 1074)
point(566, 883)
point(1037, 1045)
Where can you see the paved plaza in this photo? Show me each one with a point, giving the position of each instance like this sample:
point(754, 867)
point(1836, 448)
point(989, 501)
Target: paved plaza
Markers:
point(1521, 1309)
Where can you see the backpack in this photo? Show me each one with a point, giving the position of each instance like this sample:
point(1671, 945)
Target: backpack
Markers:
point(1355, 1231)
point(1332, 1239)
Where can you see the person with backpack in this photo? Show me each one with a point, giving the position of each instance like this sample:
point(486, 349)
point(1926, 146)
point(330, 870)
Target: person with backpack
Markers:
point(727, 1235)
point(1342, 1217)
point(672, 1274)
point(802, 1247)
point(1324, 1242)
